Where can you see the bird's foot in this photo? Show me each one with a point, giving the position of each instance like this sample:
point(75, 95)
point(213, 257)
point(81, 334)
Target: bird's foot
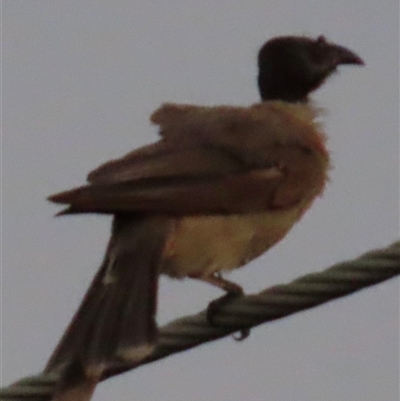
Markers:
point(233, 290)
point(216, 304)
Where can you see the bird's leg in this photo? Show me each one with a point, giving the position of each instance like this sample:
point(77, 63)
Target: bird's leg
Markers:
point(232, 289)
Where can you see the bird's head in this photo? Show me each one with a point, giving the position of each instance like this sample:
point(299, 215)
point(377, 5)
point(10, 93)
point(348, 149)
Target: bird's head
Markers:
point(290, 67)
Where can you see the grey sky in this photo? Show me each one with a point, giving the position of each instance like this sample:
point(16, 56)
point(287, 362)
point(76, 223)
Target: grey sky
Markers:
point(80, 79)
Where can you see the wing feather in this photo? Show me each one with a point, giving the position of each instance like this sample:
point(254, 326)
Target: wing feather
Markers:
point(212, 160)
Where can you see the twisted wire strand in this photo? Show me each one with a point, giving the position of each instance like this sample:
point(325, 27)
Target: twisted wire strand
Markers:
point(247, 311)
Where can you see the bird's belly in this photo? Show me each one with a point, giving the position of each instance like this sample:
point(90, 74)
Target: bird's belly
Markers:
point(199, 246)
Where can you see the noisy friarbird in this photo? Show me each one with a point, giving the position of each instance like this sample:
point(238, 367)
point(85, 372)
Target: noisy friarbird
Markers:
point(221, 186)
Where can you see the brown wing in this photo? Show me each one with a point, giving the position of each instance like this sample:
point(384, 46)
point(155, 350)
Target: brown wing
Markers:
point(211, 160)
point(178, 194)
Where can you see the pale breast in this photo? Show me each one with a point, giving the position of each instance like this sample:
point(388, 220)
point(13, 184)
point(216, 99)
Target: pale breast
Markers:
point(199, 246)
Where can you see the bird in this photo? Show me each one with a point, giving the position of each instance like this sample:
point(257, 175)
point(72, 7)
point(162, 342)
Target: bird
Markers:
point(221, 186)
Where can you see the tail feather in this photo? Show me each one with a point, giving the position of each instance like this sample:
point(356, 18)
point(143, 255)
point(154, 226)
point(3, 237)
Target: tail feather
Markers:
point(116, 321)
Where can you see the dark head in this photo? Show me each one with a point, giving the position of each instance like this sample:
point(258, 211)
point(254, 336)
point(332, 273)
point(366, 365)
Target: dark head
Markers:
point(290, 67)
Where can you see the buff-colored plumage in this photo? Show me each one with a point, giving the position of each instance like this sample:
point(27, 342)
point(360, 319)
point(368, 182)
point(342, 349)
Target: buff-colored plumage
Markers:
point(221, 186)
point(209, 158)
point(265, 134)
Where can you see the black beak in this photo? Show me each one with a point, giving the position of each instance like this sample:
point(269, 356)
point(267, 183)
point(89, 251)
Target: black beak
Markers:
point(342, 55)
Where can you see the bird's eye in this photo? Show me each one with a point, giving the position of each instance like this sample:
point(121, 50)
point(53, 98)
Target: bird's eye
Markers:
point(317, 50)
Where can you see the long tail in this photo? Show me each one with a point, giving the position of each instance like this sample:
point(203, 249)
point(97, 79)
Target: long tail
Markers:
point(115, 322)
